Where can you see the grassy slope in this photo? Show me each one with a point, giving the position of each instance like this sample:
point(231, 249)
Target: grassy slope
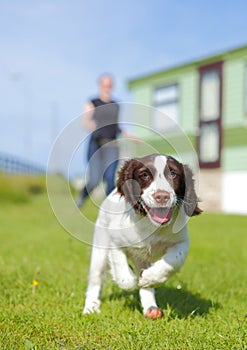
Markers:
point(209, 312)
point(19, 189)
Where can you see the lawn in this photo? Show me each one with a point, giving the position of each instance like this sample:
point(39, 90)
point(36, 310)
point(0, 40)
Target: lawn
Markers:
point(44, 276)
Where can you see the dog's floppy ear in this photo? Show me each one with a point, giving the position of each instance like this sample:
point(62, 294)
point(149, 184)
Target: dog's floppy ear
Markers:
point(127, 186)
point(190, 198)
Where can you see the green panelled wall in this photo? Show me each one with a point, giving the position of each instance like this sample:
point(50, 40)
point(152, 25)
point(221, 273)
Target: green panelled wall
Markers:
point(234, 159)
point(188, 96)
point(234, 117)
point(233, 92)
point(187, 77)
point(189, 101)
point(142, 115)
point(188, 81)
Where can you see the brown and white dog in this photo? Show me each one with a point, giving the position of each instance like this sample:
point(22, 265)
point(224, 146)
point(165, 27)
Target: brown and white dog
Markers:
point(143, 221)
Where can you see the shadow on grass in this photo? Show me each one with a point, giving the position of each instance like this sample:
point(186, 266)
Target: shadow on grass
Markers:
point(183, 303)
point(179, 303)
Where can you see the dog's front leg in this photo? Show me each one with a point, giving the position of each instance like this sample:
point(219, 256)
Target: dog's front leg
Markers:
point(99, 259)
point(120, 270)
point(162, 269)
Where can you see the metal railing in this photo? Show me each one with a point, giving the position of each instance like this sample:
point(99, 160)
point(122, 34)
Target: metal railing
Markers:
point(15, 165)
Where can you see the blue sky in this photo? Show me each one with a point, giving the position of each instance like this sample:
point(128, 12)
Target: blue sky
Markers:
point(52, 52)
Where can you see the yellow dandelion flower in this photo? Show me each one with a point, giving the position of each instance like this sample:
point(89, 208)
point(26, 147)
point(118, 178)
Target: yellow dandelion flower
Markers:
point(35, 283)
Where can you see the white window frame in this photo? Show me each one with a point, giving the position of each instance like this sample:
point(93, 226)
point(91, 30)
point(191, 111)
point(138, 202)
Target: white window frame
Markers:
point(162, 119)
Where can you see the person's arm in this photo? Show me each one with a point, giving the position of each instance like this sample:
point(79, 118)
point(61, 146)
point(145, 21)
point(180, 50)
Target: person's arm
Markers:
point(87, 121)
point(130, 136)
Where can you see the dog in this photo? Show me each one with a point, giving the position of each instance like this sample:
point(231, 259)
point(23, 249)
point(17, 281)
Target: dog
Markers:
point(144, 220)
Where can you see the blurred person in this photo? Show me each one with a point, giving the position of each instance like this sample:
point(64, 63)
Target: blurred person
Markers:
point(101, 119)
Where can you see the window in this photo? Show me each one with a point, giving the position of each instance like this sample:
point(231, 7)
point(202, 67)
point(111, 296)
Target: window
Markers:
point(210, 115)
point(165, 101)
point(209, 143)
point(210, 95)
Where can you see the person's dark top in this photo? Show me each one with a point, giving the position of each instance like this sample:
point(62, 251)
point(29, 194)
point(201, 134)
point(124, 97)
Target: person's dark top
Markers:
point(106, 118)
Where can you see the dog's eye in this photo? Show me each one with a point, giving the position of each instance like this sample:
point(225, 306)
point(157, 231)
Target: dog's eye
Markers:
point(145, 176)
point(172, 174)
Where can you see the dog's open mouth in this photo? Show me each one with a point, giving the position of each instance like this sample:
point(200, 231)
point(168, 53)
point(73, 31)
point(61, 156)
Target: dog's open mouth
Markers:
point(160, 215)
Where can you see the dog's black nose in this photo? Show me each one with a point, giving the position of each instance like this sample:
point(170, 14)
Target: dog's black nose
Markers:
point(161, 197)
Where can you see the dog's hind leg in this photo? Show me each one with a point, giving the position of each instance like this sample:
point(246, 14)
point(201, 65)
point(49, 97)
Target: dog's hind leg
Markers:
point(99, 260)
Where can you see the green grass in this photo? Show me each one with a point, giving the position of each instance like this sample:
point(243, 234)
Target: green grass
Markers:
point(19, 189)
point(208, 312)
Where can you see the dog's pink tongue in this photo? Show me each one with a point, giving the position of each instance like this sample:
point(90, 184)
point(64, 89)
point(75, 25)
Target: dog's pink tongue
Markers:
point(160, 215)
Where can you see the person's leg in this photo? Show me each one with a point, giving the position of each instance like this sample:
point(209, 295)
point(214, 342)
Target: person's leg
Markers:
point(94, 170)
point(110, 158)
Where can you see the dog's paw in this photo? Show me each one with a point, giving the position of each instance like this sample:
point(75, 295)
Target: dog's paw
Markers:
point(92, 307)
point(154, 312)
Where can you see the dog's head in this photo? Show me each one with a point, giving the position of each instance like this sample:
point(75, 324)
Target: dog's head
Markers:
point(157, 184)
